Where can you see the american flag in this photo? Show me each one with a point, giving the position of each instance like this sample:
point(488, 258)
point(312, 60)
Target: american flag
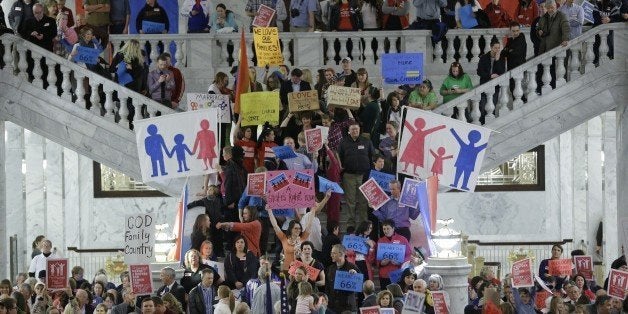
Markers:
point(285, 308)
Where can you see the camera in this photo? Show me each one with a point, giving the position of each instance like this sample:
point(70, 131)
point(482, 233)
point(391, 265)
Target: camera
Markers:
point(294, 13)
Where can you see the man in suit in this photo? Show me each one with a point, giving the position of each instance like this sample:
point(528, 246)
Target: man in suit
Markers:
point(370, 297)
point(167, 276)
point(202, 296)
point(294, 84)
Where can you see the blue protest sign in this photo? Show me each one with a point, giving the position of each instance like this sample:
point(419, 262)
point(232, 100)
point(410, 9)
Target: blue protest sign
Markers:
point(409, 195)
point(325, 185)
point(86, 55)
point(284, 152)
point(392, 251)
point(355, 243)
point(348, 282)
point(283, 212)
point(153, 27)
point(588, 9)
point(124, 77)
point(383, 179)
point(467, 17)
point(395, 275)
point(402, 68)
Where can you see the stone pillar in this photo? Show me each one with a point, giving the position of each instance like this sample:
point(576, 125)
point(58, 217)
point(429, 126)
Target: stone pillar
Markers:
point(454, 272)
point(622, 175)
point(3, 211)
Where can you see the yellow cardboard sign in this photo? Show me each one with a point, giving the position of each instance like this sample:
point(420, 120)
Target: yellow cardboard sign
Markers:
point(303, 101)
point(259, 107)
point(267, 49)
point(343, 96)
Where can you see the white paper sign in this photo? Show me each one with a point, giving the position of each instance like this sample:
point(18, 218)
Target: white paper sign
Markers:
point(139, 239)
point(196, 101)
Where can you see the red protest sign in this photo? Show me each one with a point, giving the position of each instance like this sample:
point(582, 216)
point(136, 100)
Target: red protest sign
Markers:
point(141, 279)
point(256, 185)
point(57, 273)
point(440, 305)
point(374, 193)
point(313, 140)
point(560, 267)
point(584, 266)
point(312, 272)
point(522, 273)
point(264, 16)
point(370, 310)
point(540, 298)
point(617, 283)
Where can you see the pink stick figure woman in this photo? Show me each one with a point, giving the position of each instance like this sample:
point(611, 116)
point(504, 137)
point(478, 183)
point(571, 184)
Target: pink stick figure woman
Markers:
point(415, 151)
point(205, 145)
point(439, 157)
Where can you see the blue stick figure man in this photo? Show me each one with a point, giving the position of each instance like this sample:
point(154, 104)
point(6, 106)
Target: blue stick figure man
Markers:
point(465, 163)
point(155, 147)
point(180, 149)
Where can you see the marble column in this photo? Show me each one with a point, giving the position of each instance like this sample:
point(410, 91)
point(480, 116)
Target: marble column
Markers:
point(622, 174)
point(595, 204)
point(454, 272)
point(53, 174)
point(14, 197)
point(579, 183)
point(35, 205)
point(609, 146)
point(565, 178)
point(71, 204)
point(4, 260)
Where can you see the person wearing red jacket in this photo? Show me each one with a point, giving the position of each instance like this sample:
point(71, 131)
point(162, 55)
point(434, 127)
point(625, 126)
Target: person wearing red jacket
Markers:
point(386, 265)
point(498, 17)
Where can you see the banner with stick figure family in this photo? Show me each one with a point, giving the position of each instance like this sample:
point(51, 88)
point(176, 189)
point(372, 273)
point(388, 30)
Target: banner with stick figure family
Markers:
point(435, 145)
point(178, 145)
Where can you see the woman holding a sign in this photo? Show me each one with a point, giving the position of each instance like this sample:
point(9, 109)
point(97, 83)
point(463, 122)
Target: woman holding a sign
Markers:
point(545, 271)
point(307, 248)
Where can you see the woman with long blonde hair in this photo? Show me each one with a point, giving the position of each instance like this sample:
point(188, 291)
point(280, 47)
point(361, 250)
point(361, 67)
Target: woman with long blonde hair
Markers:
point(129, 61)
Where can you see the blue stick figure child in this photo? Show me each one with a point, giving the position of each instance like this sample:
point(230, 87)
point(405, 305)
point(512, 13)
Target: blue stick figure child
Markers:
point(155, 147)
point(180, 148)
point(465, 163)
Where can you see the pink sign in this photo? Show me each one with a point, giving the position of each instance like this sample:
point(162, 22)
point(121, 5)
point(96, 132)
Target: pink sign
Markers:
point(560, 267)
point(290, 189)
point(440, 305)
point(369, 310)
point(256, 185)
point(374, 193)
point(522, 274)
point(57, 273)
point(617, 283)
point(312, 272)
point(264, 16)
point(313, 140)
point(584, 266)
point(141, 279)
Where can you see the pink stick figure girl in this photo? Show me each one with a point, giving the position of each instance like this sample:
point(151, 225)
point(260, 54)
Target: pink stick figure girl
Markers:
point(205, 144)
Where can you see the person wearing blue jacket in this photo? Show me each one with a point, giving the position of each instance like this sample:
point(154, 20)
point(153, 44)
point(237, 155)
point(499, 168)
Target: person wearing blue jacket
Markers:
point(524, 300)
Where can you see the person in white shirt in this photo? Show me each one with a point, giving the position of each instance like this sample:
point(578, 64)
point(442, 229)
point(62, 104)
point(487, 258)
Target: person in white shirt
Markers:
point(38, 263)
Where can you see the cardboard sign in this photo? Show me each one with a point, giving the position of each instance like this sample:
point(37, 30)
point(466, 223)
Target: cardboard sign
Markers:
point(303, 101)
point(370, 310)
point(383, 179)
point(139, 239)
point(141, 279)
point(374, 193)
point(267, 48)
point(56, 273)
point(325, 185)
point(343, 96)
point(588, 9)
point(196, 101)
point(402, 68)
point(256, 184)
point(559, 267)
point(414, 303)
point(153, 27)
point(264, 16)
point(313, 140)
point(584, 266)
point(440, 305)
point(409, 193)
point(355, 243)
point(290, 189)
point(522, 273)
point(312, 272)
point(259, 107)
point(284, 152)
point(86, 55)
point(617, 283)
point(348, 282)
point(391, 251)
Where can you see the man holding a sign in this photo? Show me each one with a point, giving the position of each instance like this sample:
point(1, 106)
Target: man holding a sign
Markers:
point(392, 250)
point(399, 213)
point(152, 19)
point(340, 287)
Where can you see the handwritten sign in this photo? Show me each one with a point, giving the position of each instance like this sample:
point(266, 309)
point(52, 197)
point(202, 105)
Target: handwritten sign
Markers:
point(348, 282)
point(139, 239)
point(559, 267)
point(259, 107)
point(312, 272)
point(355, 243)
point(313, 140)
point(415, 301)
point(290, 189)
point(588, 9)
point(141, 279)
point(256, 184)
point(343, 96)
point(303, 101)
point(325, 185)
point(383, 179)
point(391, 251)
point(402, 68)
point(267, 49)
point(374, 193)
point(198, 101)
point(86, 55)
point(56, 273)
point(369, 310)
point(522, 273)
point(440, 305)
point(264, 16)
point(153, 27)
point(584, 266)
point(284, 152)
point(617, 283)
point(409, 193)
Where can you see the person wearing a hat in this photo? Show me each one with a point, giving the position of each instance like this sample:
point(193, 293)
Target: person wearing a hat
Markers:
point(349, 75)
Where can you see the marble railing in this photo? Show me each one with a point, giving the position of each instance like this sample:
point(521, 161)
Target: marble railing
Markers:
point(18, 50)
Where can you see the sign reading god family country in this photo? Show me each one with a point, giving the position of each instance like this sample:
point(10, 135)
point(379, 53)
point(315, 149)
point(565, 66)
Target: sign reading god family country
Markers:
point(267, 49)
point(259, 107)
point(139, 239)
point(303, 101)
point(343, 96)
point(141, 279)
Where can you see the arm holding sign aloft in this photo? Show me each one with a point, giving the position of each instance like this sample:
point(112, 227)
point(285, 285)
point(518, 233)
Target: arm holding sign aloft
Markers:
point(273, 222)
point(285, 121)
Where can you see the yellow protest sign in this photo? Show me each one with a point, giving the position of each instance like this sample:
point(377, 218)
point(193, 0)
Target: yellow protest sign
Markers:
point(343, 96)
point(259, 107)
point(267, 49)
point(303, 101)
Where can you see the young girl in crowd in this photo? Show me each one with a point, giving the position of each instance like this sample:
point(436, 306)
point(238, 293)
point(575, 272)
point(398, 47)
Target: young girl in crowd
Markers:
point(305, 301)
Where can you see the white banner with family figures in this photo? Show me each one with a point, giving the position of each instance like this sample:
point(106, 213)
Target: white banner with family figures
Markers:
point(178, 145)
point(435, 145)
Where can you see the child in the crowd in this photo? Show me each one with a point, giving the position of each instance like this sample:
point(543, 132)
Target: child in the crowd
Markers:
point(305, 301)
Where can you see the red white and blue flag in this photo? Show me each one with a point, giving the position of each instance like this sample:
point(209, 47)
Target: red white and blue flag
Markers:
point(183, 243)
